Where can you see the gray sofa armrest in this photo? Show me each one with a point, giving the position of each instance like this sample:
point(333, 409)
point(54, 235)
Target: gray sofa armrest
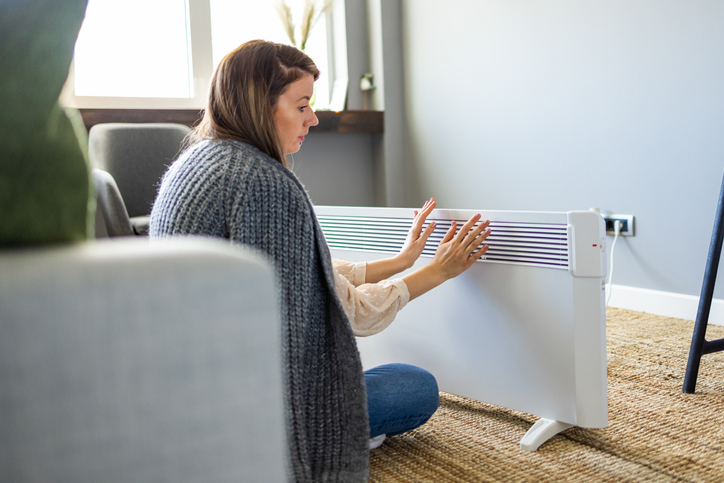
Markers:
point(130, 360)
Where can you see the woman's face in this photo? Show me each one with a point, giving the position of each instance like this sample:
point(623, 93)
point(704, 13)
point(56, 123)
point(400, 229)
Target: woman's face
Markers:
point(293, 115)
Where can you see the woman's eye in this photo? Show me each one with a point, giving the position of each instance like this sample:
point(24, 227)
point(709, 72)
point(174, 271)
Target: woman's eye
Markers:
point(301, 109)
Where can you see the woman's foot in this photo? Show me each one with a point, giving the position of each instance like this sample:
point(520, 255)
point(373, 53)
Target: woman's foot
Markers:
point(377, 441)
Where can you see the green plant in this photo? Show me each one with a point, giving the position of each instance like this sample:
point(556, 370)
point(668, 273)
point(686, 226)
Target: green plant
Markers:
point(44, 180)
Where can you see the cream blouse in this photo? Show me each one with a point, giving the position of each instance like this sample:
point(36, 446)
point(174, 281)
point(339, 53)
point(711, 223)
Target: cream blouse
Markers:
point(370, 307)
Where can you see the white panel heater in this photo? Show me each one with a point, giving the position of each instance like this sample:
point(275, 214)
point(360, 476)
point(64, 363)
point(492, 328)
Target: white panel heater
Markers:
point(524, 328)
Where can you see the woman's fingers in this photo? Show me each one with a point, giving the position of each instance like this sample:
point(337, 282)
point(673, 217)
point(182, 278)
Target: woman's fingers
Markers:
point(416, 227)
point(467, 227)
point(468, 235)
point(477, 236)
point(476, 241)
point(417, 222)
point(428, 230)
point(429, 206)
point(421, 216)
point(426, 209)
point(450, 232)
point(474, 257)
point(422, 239)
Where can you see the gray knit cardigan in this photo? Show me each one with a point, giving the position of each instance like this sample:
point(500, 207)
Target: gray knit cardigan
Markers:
point(232, 190)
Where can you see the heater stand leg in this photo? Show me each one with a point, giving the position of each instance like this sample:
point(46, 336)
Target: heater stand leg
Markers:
point(540, 432)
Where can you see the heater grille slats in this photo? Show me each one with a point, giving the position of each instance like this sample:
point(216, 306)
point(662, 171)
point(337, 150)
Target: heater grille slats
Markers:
point(518, 243)
point(401, 234)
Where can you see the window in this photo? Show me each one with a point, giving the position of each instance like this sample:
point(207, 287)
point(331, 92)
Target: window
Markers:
point(161, 53)
point(120, 53)
point(234, 22)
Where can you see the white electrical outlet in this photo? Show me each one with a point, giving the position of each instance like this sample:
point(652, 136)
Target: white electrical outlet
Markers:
point(627, 222)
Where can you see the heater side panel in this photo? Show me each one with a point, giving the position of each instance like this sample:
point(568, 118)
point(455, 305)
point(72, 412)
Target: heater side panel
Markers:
point(590, 347)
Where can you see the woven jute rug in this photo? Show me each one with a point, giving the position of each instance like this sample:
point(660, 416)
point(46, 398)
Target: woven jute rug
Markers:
point(655, 432)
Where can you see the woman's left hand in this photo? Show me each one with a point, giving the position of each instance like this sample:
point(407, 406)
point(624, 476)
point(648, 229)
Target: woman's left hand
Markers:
point(417, 237)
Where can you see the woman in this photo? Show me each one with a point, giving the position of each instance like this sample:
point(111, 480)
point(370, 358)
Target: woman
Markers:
point(234, 183)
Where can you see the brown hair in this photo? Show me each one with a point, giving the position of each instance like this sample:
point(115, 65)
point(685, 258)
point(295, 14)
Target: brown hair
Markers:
point(245, 90)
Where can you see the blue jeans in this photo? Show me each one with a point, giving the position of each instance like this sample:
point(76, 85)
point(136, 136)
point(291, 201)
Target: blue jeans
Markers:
point(400, 397)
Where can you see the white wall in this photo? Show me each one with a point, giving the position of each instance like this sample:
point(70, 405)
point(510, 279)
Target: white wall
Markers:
point(570, 104)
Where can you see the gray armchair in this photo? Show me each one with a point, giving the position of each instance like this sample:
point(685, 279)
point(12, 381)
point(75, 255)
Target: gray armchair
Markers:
point(111, 215)
point(136, 360)
point(135, 155)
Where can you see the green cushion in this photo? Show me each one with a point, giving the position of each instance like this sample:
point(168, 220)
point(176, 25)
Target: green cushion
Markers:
point(44, 177)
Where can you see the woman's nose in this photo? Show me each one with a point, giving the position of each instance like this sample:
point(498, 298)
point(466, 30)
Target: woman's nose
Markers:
point(313, 120)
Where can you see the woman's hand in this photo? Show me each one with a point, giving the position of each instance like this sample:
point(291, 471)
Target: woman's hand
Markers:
point(416, 237)
point(456, 252)
point(411, 249)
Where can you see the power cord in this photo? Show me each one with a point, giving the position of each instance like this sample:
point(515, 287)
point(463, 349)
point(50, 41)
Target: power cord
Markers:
point(617, 225)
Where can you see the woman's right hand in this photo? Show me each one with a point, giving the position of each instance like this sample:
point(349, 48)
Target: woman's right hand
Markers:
point(456, 252)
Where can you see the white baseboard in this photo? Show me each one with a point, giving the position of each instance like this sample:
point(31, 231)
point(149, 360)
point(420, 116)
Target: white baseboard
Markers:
point(668, 304)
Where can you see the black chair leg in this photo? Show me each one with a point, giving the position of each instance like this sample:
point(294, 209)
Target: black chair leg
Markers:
point(699, 345)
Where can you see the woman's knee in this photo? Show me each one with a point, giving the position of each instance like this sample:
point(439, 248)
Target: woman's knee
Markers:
point(400, 397)
point(415, 382)
point(429, 393)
